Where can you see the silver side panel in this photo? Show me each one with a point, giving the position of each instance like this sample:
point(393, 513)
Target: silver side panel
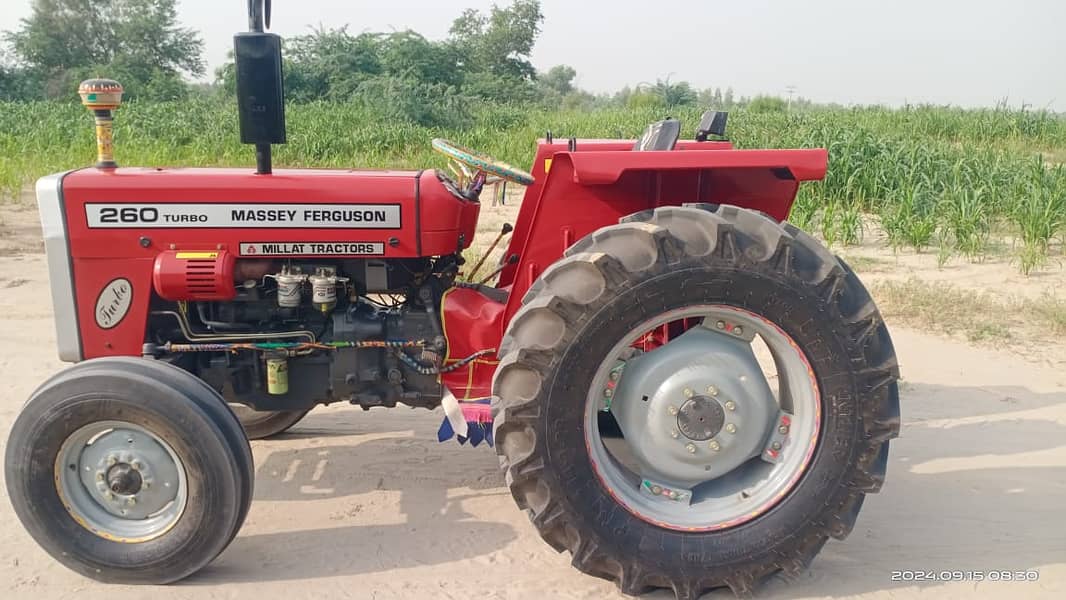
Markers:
point(60, 269)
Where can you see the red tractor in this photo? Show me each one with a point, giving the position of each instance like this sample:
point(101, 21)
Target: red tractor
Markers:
point(687, 392)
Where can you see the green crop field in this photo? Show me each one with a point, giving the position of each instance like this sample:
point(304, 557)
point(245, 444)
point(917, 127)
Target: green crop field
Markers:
point(950, 181)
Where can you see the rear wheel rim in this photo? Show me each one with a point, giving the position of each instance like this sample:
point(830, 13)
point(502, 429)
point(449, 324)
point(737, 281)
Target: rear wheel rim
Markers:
point(121, 481)
point(695, 409)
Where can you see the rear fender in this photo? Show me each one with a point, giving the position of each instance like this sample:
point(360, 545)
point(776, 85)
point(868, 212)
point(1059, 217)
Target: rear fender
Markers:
point(578, 192)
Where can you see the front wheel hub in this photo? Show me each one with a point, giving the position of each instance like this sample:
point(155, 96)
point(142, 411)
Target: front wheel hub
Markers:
point(124, 479)
point(121, 481)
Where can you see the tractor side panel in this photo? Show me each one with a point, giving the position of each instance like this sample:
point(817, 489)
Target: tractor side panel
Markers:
point(112, 302)
point(472, 322)
point(116, 222)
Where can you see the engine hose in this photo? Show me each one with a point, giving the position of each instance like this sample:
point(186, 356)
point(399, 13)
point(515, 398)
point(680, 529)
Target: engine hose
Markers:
point(219, 325)
point(288, 346)
point(183, 324)
point(407, 360)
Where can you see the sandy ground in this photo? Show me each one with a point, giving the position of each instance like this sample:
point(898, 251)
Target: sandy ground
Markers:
point(355, 504)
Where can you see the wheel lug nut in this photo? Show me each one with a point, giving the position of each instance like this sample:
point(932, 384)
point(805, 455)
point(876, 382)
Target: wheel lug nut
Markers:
point(782, 430)
point(731, 428)
point(672, 410)
point(714, 445)
point(674, 434)
point(131, 501)
point(712, 391)
point(776, 445)
point(136, 465)
point(688, 392)
point(99, 476)
point(691, 448)
point(730, 405)
point(111, 460)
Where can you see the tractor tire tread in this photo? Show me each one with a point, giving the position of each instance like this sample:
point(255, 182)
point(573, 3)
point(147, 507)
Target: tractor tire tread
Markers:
point(603, 265)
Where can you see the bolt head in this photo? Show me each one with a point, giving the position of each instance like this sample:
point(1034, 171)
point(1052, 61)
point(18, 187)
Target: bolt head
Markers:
point(730, 405)
point(99, 476)
point(109, 495)
point(607, 393)
point(146, 484)
point(136, 465)
point(782, 429)
point(776, 445)
point(712, 391)
point(688, 392)
point(691, 448)
point(731, 428)
point(131, 501)
point(714, 445)
point(674, 434)
point(720, 324)
point(111, 460)
point(656, 490)
point(614, 376)
point(738, 331)
point(672, 410)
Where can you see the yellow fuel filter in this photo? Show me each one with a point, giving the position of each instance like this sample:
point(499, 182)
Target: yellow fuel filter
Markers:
point(277, 376)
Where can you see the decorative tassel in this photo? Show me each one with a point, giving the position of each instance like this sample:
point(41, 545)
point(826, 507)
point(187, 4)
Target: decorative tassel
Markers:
point(473, 422)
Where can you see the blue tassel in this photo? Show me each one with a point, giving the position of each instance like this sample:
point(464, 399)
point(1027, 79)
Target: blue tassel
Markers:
point(445, 432)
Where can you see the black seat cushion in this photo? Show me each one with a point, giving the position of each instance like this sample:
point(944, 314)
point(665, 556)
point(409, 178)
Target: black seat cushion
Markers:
point(661, 135)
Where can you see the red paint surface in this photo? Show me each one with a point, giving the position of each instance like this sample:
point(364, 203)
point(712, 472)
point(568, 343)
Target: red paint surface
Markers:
point(472, 322)
point(592, 187)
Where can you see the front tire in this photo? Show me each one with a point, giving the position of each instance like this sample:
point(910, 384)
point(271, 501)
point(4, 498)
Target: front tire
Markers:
point(129, 471)
point(664, 262)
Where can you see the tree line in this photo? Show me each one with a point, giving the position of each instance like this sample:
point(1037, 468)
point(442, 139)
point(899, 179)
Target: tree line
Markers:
point(484, 59)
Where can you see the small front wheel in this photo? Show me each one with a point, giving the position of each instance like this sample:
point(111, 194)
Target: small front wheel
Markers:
point(129, 471)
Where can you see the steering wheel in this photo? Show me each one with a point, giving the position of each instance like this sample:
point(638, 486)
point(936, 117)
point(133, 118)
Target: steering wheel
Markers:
point(481, 163)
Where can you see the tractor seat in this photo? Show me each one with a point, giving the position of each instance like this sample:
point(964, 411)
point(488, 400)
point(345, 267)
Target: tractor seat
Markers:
point(661, 135)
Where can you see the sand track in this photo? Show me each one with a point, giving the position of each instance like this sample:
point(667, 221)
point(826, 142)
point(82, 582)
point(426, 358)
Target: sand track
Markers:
point(357, 504)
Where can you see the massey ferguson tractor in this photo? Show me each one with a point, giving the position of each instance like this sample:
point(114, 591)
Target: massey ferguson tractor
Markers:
point(686, 391)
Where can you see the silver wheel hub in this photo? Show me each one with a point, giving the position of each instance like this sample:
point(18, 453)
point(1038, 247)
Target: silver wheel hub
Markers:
point(717, 423)
point(120, 481)
point(664, 406)
point(700, 418)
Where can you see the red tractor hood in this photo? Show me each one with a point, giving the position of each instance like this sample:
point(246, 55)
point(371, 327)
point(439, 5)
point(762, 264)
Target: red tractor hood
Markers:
point(403, 213)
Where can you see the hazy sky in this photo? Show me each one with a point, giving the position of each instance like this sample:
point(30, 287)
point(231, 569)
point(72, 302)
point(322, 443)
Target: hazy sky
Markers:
point(971, 53)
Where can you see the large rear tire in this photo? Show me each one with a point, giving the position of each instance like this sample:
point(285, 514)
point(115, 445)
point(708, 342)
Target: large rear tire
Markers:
point(263, 424)
point(674, 261)
point(129, 471)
